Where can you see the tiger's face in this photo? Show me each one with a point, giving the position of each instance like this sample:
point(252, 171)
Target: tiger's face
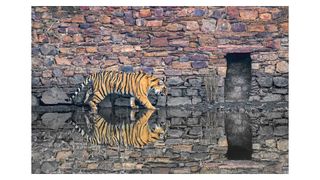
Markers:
point(158, 86)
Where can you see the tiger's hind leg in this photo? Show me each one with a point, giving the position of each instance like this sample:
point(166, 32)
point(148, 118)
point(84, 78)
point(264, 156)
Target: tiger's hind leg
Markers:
point(145, 102)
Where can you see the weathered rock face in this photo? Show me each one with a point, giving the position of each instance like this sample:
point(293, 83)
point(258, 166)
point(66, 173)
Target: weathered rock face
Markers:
point(55, 120)
point(184, 44)
point(55, 96)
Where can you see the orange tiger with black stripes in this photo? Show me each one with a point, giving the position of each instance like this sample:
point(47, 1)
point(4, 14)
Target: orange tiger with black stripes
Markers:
point(135, 84)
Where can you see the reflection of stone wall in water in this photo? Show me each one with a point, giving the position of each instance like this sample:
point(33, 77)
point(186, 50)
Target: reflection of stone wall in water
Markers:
point(184, 44)
point(238, 130)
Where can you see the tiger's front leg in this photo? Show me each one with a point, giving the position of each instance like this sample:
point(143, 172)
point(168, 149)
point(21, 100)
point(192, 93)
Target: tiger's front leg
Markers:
point(133, 103)
point(145, 102)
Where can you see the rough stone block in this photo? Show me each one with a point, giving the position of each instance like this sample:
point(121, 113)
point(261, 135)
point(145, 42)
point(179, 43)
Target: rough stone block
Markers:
point(55, 120)
point(271, 97)
point(265, 81)
point(176, 81)
point(208, 26)
point(282, 67)
point(176, 101)
point(55, 96)
point(248, 14)
point(280, 81)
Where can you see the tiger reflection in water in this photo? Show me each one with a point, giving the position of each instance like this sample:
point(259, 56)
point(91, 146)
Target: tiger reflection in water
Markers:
point(129, 134)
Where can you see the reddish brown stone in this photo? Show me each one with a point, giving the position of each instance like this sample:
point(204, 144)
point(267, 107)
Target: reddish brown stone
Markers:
point(77, 38)
point(64, 50)
point(47, 73)
point(256, 28)
point(62, 61)
point(154, 23)
point(179, 43)
point(265, 16)
point(124, 60)
point(105, 19)
point(78, 19)
point(67, 39)
point(127, 49)
point(181, 65)
point(37, 25)
point(271, 28)
point(108, 63)
point(91, 49)
point(282, 67)
point(117, 21)
point(284, 27)
point(248, 14)
point(192, 25)
point(145, 13)
point(233, 11)
point(159, 42)
point(68, 73)
point(156, 54)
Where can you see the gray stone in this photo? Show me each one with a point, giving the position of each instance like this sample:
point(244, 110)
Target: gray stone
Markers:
point(280, 81)
point(47, 49)
point(279, 91)
point(208, 26)
point(55, 120)
point(281, 130)
point(265, 81)
point(192, 121)
point(175, 133)
point(162, 100)
point(177, 112)
point(195, 82)
point(175, 81)
point(49, 166)
point(196, 100)
point(271, 97)
point(57, 72)
point(55, 96)
point(176, 121)
point(175, 92)
point(196, 131)
point(176, 101)
point(192, 92)
point(76, 79)
point(199, 156)
point(266, 130)
point(173, 141)
point(34, 101)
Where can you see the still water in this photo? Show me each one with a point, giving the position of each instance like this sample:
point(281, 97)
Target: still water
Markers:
point(239, 139)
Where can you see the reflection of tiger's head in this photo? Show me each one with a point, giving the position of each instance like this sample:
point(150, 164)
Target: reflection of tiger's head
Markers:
point(149, 132)
point(158, 86)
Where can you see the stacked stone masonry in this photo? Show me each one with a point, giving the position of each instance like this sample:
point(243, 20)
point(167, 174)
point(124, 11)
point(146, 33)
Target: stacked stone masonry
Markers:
point(185, 44)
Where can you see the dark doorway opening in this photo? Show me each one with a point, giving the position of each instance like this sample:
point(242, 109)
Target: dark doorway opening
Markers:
point(238, 78)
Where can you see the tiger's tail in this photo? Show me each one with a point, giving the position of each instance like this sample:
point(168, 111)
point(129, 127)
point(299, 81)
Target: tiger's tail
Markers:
point(79, 89)
point(83, 133)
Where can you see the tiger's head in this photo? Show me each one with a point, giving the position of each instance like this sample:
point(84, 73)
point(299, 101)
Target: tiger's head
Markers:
point(158, 86)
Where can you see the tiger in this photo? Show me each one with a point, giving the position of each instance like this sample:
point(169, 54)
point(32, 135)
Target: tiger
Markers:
point(135, 84)
point(134, 134)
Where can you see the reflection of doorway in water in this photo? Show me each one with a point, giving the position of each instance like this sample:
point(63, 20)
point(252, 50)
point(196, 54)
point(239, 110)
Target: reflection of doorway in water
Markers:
point(239, 136)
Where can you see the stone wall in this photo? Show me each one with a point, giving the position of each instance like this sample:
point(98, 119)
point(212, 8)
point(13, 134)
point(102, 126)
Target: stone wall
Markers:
point(188, 45)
